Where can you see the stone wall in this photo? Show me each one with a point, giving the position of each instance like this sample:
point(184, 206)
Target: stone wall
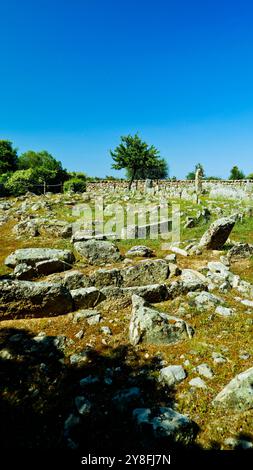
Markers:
point(180, 188)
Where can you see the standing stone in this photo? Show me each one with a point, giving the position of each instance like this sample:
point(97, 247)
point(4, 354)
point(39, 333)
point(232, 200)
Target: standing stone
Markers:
point(217, 234)
point(198, 183)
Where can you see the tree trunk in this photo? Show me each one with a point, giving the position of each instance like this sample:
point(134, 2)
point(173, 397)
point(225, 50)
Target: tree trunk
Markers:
point(132, 179)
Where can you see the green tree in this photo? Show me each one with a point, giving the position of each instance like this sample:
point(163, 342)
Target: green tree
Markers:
point(250, 176)
point(134, 155)
point(191, 175)
point(48, 169)
point(236, 174)
point(21, 181)
point(8, 157)
point(158, 171)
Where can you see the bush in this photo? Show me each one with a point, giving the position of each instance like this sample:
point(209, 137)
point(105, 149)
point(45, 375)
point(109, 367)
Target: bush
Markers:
point(22, 181)
point(78, 185)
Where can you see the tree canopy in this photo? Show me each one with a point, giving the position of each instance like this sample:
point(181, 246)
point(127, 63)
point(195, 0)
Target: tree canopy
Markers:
point(236, 174)
point(8, 157)
point(134, 155)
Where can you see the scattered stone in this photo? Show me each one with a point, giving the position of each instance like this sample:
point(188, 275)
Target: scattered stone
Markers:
point(238, 394)
point(178, 251)
point(106, 330)
point(31, 256)
point(197, 382)
point(165, 422)
point(171, 375)
point(78, 358)
point(205, 370)
point(145, 272)
point(240, 251)
point(75, 280)
point(106, 277)
point(172, 258)
point(140, 250)
point(80, 334)
point(86, 297)
point(224, 311)
point(98, 251)
point(151, 326)
point(218, 358)
point(204, 300)
point(24, 299)
point(193, 280)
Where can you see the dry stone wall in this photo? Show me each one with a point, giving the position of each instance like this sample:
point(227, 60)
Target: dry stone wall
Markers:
point(182, 188)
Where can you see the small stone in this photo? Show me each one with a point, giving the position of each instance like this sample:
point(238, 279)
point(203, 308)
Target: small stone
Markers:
point(172, 375)
point(106, 330)
point(205, 370)
point(79, 335)
point(198, 383)
point(224, 311)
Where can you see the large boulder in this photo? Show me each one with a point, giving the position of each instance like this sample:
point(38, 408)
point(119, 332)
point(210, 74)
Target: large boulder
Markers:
point(151, 326)
point(86, 297)
point(145, 272)
point(163, 423)
point(217, 234)
point(106, 277)
point(75, 279)
point(238, 394)
point(98, 251)
point(31, 256)
point(21, 299)
point(151, 293)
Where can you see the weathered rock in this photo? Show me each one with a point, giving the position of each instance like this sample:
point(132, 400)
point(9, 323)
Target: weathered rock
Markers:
point(31, 256)
point(26, 228)
point(51, 266)
point(106, 277)
point(24, 272)
point(224, 311)
point(20, 299)
point(75, 279)
point(204, 300)
point(151, 326)
point(205, 370)
point(217, 234)
point(86, 315)
point(197, 382)
point(98, 251)
point(193, 280)
point(145, 272)
point(86, 297)
point(165, 423)
point(140, 250)
point(172, 258)
point(152, 293)
point(171, 375)
point(238, 394)
point(240, 251)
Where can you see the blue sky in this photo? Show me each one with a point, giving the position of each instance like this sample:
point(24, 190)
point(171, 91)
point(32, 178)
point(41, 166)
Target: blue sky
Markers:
point(76, 75)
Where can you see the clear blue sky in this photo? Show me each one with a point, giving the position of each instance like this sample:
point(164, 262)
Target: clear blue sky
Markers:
point(78, 74)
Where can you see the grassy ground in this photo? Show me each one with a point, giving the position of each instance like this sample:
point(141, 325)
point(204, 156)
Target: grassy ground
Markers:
point(47, 400)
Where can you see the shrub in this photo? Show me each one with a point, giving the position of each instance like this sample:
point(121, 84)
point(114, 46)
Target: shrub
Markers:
point(21, 181)
point(78, 185)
